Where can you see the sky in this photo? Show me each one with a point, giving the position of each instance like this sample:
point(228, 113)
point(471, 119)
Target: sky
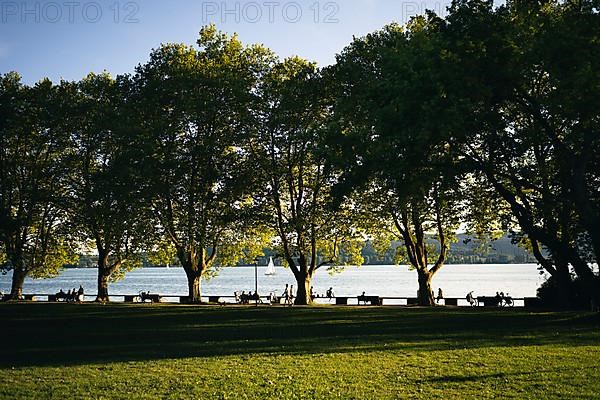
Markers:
point(67, 39)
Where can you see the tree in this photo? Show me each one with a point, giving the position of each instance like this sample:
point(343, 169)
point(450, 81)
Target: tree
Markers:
point(534, 122)
point(482, 87)
point(400, 159)
point(32, 145)
point(104, 201)
point(291, 150)
point(199, 179)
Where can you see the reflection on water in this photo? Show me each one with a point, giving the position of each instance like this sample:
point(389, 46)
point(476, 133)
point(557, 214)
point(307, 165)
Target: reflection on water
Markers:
point(387, 281)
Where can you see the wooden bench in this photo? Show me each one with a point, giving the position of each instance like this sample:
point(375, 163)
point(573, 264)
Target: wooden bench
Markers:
point(412, 301)
point(451, 302)
point(213, 299)
point(154, 298)
point(373, 300)
point(130, 299)
point(341, 301)
point(488, 301)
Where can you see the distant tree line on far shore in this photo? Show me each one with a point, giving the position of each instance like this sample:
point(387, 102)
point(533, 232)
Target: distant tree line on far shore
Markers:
point(500, 251)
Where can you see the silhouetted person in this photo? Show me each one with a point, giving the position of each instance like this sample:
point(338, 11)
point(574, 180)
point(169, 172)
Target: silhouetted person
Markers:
point(291, 297)
point(286, 293)
point(440, 295)
point(362, 298)
point(471, 299)
point(330, 293)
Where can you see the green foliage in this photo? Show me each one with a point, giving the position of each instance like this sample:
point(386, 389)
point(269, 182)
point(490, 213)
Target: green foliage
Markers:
point(59, 255)
point(125, 266)
point(476, 121)
point(103, 199)
point(163, 253)
point(404, 177)
point(549, 294)
point(32, 152)
point(532, 123)
point(199, 179)
point(290, 146)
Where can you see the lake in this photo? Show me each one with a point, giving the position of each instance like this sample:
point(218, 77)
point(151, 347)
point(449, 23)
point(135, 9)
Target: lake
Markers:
point(520, 280)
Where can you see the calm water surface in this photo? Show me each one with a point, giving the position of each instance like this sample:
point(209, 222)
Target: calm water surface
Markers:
point(520, 280)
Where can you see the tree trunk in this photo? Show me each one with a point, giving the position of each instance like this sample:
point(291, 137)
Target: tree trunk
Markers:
point(584, 206)
point(194, 287)
point(564, 287)
point(18, 279)
point(103, 275)
point(303, 295)
point(425, 293)
point(102, 296)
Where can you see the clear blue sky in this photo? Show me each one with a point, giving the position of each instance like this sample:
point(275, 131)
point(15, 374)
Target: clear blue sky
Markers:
point(68, 38)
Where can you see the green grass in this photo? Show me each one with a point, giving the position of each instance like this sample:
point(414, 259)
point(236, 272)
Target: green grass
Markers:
point(89, 351)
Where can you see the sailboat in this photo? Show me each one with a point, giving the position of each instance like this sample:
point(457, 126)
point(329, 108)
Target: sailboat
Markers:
point(270, 268)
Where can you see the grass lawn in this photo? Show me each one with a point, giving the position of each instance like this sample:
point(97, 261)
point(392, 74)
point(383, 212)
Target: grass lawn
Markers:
point(90, 351)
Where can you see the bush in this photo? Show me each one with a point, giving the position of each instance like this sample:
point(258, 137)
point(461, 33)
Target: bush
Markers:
point(549, 294)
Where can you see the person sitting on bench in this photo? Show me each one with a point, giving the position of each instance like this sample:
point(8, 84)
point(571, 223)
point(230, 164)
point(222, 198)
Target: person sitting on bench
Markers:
point(362, 299)
point(499, 298)
point(471, 299)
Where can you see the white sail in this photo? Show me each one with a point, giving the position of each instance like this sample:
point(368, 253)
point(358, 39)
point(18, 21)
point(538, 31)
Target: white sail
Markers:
point(270, 268)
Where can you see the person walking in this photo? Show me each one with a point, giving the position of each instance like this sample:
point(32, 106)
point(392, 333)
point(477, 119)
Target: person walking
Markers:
point(286, 294)
point(329, 293)
point(291, 295)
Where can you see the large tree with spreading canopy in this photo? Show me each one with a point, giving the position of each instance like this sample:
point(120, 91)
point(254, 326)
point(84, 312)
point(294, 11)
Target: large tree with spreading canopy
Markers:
point(194, 115)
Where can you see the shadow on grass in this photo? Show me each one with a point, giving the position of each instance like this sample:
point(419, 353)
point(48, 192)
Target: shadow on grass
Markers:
point(65, 334)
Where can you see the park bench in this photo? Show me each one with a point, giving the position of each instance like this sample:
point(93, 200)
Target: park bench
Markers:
point(412, 301)
point(341, 301)
point(154, 298)
point(373, 300)
point(130, 299)
point(213, 299)
point(487, 301)
point(451, 302)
